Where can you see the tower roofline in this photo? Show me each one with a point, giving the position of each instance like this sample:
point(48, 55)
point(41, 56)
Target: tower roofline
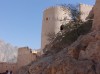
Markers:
point(86, 5)
point(52, 7)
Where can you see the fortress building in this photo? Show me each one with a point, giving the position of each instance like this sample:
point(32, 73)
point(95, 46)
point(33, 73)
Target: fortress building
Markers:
point(53, 18)
point(56, 16)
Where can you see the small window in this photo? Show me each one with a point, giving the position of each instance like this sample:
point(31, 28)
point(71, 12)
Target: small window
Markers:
point(46, 19)
point(62, 27)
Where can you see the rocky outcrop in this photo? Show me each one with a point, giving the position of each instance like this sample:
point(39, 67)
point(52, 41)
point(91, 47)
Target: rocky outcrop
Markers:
point(81, 57)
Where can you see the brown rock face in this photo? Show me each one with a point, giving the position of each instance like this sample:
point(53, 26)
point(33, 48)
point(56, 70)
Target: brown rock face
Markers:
point(82, 57)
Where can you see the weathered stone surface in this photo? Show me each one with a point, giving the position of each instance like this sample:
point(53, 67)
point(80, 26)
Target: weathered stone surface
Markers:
point(82, 57)
point(80, 45)
point(23, 70)
point(98, 68)
point(96, 25)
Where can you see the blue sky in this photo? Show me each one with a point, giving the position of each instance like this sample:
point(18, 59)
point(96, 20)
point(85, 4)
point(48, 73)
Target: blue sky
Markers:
point(21, 20)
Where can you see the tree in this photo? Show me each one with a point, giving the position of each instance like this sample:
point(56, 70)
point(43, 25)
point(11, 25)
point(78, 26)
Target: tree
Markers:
point(75, 12)
point(51, 36)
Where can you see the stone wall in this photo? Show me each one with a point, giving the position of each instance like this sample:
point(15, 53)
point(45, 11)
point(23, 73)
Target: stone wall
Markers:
point(25, 57)
point(85, 10)
point(8, 66)
point(96, 24)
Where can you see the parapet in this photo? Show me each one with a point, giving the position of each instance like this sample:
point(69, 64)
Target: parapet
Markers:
point(86, 5)
point(24, 50)
point(54, 7)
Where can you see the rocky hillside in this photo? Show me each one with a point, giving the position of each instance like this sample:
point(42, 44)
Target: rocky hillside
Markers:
point(8, 53)
point(81, 56)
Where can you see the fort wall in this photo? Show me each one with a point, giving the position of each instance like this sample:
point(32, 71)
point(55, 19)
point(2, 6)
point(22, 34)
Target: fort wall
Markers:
point(85, 10)
point(8, 66)
point(52, 20)
point(96, 10)
point(25, 57)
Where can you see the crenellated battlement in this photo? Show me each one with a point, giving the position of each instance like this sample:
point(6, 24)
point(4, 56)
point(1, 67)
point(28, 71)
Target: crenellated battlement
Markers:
point(59, 6)
point(86, 5)
point(53, 7)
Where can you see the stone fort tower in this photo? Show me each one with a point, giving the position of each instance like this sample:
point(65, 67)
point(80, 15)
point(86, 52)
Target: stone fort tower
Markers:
point(56, 16)
point(52, 20)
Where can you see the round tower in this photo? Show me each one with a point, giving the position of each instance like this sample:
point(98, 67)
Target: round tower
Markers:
point(53, 18)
